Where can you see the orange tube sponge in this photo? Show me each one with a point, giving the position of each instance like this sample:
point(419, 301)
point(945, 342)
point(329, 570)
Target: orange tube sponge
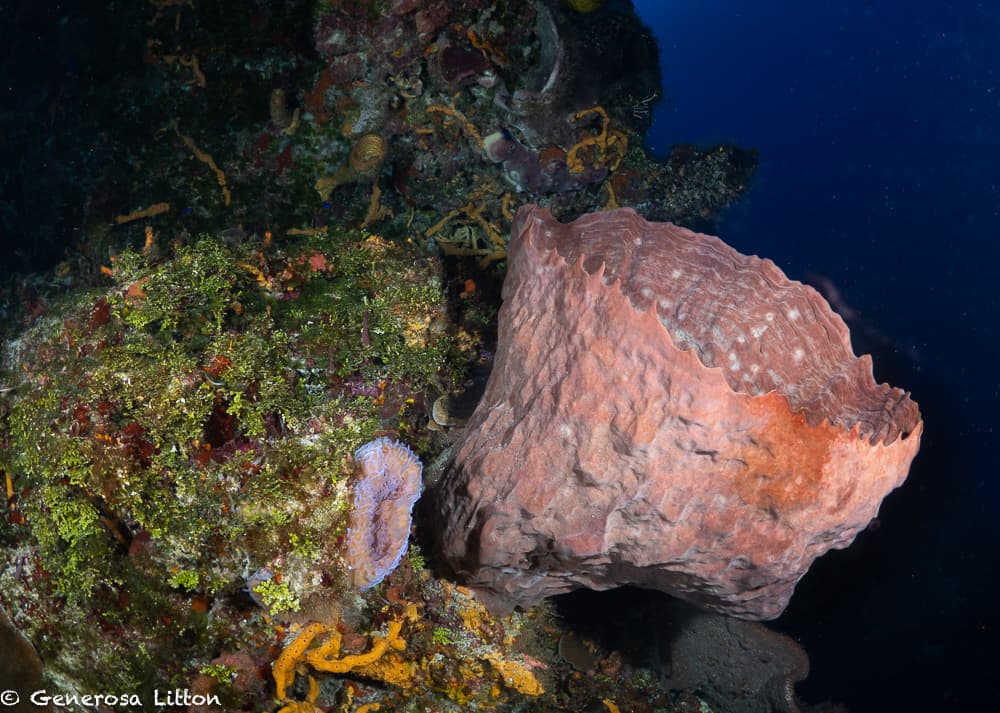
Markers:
point(321, 661)
point(283, 669)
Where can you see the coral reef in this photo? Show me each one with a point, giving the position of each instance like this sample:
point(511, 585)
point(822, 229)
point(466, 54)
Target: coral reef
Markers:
point(387, 488)
point(560, 95)
point(194, 423)
point(181, 396)
point(529, 171)
point(666, 412)
point(454, 656)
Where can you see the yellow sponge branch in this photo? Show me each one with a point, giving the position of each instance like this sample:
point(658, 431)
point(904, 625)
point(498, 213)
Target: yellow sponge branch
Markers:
point(283, 669)
point(326, 656)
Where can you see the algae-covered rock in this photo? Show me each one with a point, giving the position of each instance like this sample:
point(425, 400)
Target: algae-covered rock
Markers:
point(191, 424)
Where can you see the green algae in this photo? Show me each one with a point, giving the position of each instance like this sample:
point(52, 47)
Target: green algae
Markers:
point(277, 596)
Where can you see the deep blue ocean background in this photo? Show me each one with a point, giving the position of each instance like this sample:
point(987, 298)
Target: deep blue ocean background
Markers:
point(878, 127)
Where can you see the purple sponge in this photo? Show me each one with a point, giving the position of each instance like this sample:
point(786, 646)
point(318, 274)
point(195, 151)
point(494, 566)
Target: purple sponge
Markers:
point(388, 485)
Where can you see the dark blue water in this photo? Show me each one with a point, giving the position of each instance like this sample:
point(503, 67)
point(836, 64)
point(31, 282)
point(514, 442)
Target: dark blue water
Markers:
point(878, 125)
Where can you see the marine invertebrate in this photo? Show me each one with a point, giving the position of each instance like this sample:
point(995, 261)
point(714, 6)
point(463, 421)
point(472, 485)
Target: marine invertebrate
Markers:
point(198, 77)
point(533, 172)
point(516, 675)
point(147, 212)
point(368, 153)
point(146, 459)
point(665, 412)
point(388, 486)
point(363, 163)
point(467, 126)
point(409, 86)
point(474, 235)
point(489, 50)
point(457, 65)
point(283, 668)
point(278, 111)
point(729, 662)
point(376, 211)
point(205, 158)
point(326, 658)
point(608, 145)
point(548, 73)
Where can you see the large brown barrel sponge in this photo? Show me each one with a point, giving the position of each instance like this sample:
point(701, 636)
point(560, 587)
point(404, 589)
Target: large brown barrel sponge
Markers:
point(668, 413)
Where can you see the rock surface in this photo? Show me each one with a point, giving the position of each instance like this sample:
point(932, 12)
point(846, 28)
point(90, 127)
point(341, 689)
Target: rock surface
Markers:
point(668, 413)
point(20, 669)
point(734, 666)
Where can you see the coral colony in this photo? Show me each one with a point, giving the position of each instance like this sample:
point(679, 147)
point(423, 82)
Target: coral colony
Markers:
point(384, 495)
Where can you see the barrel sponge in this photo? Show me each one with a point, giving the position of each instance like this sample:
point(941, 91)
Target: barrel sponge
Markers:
point(388, 485)
point(668, 413)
